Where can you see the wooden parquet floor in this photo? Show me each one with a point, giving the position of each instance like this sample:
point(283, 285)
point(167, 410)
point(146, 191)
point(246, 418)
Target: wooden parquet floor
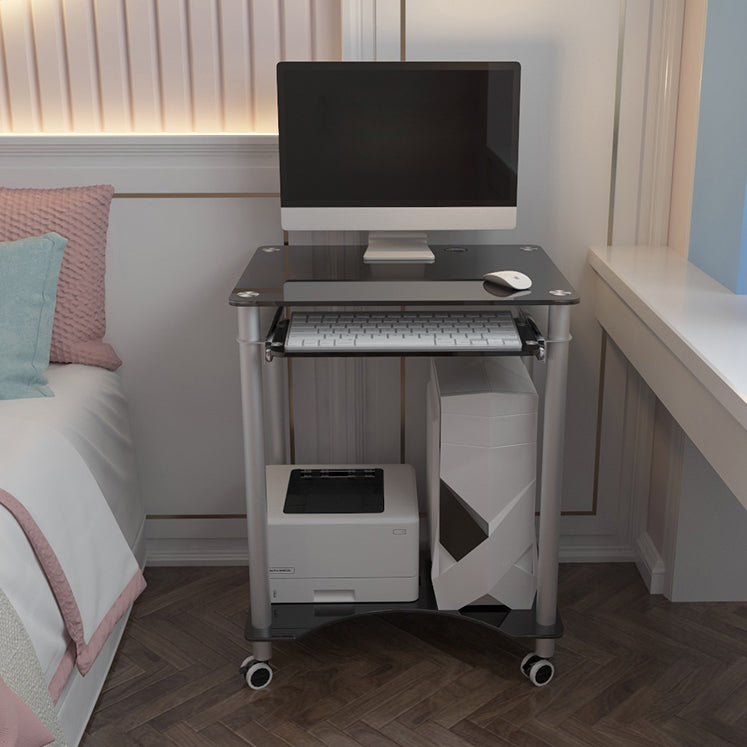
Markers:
point(631, 669)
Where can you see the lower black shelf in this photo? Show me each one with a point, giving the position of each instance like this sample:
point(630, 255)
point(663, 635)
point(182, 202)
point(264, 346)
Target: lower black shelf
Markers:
point(295, 620)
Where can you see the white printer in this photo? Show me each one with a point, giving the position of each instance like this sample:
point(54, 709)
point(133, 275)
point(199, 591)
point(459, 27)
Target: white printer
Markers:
point(342, 533)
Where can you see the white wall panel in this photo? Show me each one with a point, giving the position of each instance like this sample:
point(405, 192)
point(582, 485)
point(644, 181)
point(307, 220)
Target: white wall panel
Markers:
point(114, 72)
point(188, 213)
point(82, 65)
point(142, 55)
point(49, 34)
point(171, 264)
point(20, 67)
point(5, 123)
point(296, 37)
point(175, 66)
point(238, 103)
point(207, 107)
point(569, 57)
point(326, 29)
point(266, 49)
point(688, 111)
point(151, 66)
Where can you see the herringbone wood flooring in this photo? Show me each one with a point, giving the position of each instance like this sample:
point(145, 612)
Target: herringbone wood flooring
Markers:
point(632, 669)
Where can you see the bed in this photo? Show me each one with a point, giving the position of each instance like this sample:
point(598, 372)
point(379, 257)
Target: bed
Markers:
point(71, 516)
point(86, 425)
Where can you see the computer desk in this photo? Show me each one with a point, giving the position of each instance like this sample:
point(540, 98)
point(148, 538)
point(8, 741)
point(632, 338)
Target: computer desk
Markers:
point(283, 277)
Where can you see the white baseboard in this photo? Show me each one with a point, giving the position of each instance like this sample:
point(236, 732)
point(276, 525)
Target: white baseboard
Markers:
point(573, 552)
point(650, 564)
point(191, 551)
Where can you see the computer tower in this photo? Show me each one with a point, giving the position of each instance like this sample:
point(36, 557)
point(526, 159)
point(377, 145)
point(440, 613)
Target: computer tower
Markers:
point(481, 480)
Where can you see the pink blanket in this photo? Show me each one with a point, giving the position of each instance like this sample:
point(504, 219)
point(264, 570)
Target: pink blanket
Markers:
point(65, 565)
point(82, 652)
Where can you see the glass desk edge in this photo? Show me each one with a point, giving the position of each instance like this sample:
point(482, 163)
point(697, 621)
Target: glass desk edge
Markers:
point(279, 268)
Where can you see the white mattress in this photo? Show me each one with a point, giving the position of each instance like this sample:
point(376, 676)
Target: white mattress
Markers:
point(90, 409)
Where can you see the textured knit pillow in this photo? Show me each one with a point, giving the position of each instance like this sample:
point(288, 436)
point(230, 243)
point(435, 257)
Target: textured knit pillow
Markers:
point(81, 215)
point(28, 288)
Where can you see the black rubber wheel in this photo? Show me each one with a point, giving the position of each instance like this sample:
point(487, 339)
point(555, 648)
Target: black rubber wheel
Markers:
point(257, 674)
point(539, 671)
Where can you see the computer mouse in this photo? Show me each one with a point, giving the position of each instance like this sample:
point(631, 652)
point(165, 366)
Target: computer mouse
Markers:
point(512, 279)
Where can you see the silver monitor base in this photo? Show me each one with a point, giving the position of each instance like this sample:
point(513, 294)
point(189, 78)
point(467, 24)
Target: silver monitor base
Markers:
point(393, 247)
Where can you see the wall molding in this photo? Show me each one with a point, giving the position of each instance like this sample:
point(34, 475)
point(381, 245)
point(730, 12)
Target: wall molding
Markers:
point(651, 209)
point(358, 30)
point(672, 502)
point(688, 117)
point(372, 30)
point(196, 540)
point(654, 207)
point(637, 454)
point(650, 564)
point(576, 550)
point(665, 50)
point(131, 144)
point(144, 164)
point(197, 551)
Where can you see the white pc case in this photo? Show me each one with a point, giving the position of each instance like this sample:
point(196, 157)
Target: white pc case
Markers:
point(481, 475)
point(344, 557)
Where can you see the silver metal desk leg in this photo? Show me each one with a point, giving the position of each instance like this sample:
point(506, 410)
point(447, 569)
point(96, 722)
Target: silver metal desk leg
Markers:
point(276, 415)
point(552, 471)
point(250, 359)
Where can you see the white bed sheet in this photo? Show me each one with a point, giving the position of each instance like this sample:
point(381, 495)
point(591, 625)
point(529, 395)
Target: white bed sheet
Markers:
point(89, 408)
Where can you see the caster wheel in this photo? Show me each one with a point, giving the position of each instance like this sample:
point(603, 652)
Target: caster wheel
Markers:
point(538, 670)
point(257, 673)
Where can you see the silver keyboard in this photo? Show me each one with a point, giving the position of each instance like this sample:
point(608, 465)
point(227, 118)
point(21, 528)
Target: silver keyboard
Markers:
point(403, 331)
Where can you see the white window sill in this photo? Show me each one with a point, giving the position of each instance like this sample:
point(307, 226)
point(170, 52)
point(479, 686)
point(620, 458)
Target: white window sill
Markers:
point(686, 334)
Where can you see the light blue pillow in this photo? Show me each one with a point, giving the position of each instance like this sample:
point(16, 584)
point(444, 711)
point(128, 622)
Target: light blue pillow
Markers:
point(28, 292)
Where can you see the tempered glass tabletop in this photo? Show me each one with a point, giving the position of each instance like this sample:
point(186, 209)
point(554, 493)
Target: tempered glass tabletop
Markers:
point(337, 276)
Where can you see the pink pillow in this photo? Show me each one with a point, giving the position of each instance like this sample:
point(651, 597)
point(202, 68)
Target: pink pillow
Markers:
point(81, 215)
point(19, 726)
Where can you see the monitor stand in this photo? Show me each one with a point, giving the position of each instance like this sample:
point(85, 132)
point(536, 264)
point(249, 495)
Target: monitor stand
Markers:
point(398, 246)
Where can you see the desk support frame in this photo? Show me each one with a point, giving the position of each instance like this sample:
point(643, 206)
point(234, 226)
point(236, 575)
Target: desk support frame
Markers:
point(251, 356)
point(339, 279)
point(251, 353)
point(551, 478)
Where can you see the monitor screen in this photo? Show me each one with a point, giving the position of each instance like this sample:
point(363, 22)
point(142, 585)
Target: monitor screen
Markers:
point(398, 146)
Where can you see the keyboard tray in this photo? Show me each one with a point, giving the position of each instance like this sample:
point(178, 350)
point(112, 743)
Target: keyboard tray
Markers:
point(532, 344)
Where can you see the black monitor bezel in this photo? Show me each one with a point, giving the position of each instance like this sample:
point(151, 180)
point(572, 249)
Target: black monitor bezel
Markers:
point(288, 67)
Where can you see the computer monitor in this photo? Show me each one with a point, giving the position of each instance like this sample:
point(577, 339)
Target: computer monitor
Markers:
point(398, 149)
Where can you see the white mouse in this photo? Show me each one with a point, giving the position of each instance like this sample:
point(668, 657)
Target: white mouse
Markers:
point(512, 279)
